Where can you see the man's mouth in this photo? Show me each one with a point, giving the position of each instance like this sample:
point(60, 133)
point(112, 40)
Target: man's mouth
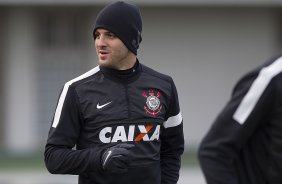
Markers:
point(103, 54)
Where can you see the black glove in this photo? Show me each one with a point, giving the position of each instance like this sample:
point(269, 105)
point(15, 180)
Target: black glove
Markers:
point(116, 158)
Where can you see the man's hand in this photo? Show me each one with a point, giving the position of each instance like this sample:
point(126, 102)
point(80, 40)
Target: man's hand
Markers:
point(116, 158)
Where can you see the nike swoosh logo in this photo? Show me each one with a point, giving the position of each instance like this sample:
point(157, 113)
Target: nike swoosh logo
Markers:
point(101, 106)
point(107, 157)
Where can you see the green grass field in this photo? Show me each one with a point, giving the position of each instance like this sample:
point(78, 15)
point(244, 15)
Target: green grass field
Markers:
point(21, 162)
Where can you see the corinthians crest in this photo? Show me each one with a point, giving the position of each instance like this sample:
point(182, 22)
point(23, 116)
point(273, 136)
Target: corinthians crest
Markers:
point(153, 105)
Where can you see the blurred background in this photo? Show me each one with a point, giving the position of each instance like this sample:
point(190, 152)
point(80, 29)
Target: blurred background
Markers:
point(205, 45)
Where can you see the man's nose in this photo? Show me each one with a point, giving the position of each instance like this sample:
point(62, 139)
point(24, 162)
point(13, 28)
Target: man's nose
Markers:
point(101, 41)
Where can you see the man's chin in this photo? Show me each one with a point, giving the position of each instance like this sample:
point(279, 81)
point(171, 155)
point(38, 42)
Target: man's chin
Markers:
point(104, 63)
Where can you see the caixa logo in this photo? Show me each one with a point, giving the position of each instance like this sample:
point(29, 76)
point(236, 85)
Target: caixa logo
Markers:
point(130, 133)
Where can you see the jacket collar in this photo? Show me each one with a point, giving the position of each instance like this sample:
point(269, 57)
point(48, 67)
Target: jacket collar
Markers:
point(126, 76)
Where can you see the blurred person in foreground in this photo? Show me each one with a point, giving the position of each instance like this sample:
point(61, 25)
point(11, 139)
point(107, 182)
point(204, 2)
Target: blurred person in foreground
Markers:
point(244, 144)
point(120, 122)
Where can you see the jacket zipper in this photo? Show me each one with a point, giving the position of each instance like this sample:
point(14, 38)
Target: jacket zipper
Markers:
point(127, 101)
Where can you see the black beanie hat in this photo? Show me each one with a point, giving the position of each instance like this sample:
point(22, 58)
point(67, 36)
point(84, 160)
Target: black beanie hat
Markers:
point(124, 20)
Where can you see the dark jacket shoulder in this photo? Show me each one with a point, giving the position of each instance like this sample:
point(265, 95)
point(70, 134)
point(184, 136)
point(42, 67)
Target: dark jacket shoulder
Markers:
point(155, 73)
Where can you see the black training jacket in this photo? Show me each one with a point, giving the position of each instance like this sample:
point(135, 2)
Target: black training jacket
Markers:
point(244, 145)
point(104, 107)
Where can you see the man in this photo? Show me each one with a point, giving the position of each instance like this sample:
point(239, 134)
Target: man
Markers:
point(244, 145)
point(122, 117)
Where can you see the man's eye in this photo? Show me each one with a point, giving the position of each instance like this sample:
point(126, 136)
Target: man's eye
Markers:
point(111, 35)
point(96, 35)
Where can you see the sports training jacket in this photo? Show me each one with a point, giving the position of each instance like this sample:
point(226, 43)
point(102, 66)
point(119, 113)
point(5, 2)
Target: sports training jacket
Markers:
point(104, 107)
point(244, 145)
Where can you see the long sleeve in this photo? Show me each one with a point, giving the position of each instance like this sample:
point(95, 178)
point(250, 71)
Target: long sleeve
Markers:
point(60, 157)
point(172, 142)
point(219, 151)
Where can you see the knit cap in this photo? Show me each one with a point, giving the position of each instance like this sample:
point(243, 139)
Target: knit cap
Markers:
point(124, 20)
